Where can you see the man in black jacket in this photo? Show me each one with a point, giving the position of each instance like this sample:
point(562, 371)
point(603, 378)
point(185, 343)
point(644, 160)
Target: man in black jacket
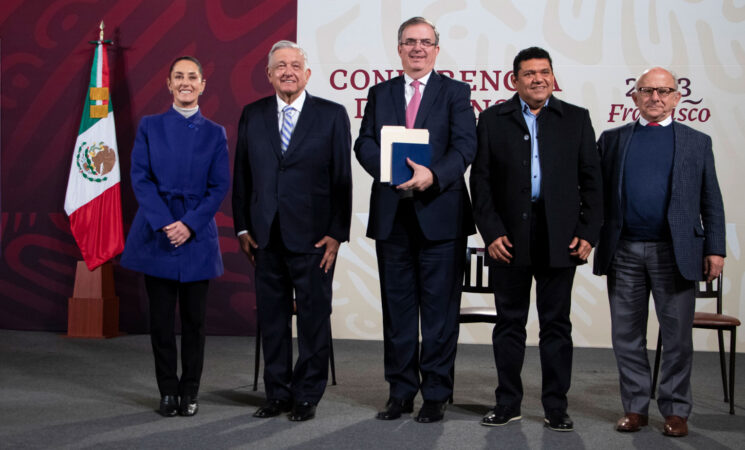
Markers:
point(536, 191)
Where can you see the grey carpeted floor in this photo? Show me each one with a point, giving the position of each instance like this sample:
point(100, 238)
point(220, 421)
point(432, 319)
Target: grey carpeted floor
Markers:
point(68, 393)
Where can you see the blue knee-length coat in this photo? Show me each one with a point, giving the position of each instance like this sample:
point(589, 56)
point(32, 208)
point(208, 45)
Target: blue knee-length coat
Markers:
point(180, 171)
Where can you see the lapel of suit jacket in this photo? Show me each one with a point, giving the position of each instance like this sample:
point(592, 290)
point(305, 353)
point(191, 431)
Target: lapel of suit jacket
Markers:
point(303, 124)
point(680, 152)
point(399, 99)
point(272, 125)
point(431, 91)
point(624, 140)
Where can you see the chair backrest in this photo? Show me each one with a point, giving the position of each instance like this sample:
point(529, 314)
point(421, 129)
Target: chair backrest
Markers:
point(711, 289)
point(475, 278)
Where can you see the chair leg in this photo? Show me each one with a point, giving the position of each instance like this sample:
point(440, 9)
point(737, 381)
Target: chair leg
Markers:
point(656, 371)
point(723, 364)
point(257, 359)
point(331, 359)
point(732, 354)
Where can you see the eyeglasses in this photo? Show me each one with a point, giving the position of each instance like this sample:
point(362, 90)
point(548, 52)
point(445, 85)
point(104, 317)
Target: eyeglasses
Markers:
point(426, 43)
point(661, 91)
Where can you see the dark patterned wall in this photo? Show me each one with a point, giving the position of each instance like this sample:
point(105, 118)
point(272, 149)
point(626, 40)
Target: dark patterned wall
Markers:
point(45, 62)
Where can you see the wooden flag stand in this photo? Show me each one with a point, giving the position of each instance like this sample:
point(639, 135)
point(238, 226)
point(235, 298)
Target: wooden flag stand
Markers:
point(93, 309)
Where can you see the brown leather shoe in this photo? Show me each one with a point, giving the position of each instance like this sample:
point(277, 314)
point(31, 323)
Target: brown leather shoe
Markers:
point(632, 422)
point(675, 426)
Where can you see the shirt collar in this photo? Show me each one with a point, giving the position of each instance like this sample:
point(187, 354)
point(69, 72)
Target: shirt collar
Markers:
point(297, 104)
point(643, 122)
point(525, 108)
point(408, 80)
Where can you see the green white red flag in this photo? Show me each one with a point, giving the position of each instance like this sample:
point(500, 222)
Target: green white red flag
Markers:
point(93, 199)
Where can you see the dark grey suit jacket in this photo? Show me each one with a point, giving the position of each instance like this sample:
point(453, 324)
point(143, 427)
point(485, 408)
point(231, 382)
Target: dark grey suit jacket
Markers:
point(695, 213)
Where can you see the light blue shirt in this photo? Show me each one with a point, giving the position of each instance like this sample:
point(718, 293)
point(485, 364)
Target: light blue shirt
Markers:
point(535, 162)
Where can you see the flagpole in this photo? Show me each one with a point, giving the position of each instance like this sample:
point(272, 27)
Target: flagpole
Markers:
point(101, 40)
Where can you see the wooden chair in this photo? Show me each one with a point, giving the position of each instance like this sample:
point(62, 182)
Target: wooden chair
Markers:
point(711, 321)
point(257, 359)
point(475, 281)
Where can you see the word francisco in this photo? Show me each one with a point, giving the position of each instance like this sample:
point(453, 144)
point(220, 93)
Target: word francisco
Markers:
point(683, 113)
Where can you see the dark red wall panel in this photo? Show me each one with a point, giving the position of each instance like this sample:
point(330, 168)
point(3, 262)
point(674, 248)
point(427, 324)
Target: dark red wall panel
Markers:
point(45, 62)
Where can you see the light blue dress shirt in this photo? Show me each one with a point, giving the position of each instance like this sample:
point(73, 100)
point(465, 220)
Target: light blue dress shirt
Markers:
point(535, 162)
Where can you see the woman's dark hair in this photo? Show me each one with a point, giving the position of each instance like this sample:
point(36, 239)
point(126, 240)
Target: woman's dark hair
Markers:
point(186, 58)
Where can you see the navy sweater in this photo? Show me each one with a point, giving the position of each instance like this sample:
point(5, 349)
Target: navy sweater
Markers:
point(646, 183)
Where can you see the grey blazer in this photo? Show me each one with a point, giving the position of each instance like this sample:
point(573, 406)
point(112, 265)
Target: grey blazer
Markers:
point(695, 213)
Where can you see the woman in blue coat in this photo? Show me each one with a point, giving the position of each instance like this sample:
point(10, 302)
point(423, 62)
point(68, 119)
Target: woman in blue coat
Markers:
point(180, 175)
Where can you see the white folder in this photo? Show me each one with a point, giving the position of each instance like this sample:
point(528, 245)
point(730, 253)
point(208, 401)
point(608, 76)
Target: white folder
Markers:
point(395, 133)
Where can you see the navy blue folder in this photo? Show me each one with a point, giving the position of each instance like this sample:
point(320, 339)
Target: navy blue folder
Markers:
point(400, 171)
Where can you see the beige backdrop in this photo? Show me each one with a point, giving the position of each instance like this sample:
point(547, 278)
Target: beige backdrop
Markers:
point(598, 48)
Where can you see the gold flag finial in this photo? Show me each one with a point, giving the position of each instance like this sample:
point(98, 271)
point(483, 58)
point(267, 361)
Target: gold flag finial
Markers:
point(100, 35)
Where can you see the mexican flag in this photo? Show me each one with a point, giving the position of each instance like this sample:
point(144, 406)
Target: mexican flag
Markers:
point(93, 201)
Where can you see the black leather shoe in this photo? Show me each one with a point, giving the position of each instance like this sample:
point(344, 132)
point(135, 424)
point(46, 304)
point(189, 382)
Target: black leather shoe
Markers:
point(168, 405)
point(431, 412)
point(302, 411)
point(273, 408)
point(189, 405)
point(558, 420)
point(500, 415)
point(394, 408)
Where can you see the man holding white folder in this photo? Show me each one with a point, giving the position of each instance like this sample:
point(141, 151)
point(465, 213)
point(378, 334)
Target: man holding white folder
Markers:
point(420, 226)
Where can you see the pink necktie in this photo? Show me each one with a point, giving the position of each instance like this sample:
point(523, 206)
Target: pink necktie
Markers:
point(650, 124)
point(413, 105)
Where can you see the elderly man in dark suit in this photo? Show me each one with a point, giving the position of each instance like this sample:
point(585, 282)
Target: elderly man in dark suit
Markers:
point(292, 205)
point(420, 226)
point(663, 231)
point(536, 191)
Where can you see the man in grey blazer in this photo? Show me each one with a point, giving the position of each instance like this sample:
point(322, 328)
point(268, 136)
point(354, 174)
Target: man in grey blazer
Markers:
point(663, 231)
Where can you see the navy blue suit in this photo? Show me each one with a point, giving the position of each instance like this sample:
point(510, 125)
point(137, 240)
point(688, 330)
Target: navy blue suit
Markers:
point(288, 203)
point(667, 268)
point(420, 241)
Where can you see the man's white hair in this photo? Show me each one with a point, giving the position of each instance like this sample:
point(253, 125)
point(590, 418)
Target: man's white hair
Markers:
point(286, 44)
